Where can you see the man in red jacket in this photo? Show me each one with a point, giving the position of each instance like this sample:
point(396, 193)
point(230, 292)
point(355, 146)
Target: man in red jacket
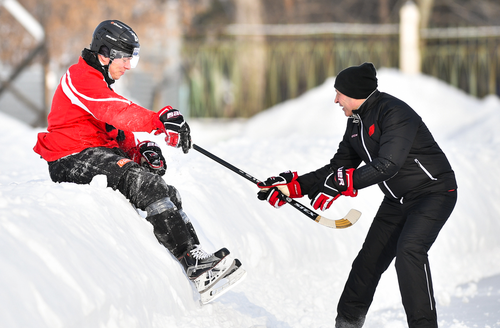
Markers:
point(385, 143)
point(90, 132)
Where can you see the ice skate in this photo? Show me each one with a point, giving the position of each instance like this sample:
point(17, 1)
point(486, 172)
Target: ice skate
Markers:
point(203, 268)
point(232, 276)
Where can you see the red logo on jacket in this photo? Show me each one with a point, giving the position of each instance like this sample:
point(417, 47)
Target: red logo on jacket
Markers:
point(371, 130)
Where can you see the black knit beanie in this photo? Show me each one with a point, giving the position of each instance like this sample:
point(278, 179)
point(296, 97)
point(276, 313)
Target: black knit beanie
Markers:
point(357, 82)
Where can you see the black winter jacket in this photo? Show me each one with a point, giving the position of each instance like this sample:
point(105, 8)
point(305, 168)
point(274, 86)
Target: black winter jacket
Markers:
point(400, 153)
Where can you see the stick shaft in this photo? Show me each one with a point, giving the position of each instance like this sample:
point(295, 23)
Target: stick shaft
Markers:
point(226, 164)
point(349, 220)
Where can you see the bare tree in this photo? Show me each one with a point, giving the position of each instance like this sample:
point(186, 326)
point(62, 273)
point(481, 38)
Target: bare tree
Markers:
point(69, 25)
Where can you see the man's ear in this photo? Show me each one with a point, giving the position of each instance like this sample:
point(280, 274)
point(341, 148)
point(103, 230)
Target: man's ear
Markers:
point(103, 60)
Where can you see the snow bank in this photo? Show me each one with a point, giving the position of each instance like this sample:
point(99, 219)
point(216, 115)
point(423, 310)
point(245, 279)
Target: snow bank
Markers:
point(80, 256)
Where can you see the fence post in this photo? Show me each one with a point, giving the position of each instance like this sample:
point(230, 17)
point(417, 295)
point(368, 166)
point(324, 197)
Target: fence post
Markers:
point(169, 80)
point(409, 39)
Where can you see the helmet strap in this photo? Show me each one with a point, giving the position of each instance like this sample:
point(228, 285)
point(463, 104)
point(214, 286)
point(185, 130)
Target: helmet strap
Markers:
point(109, 74)
point(105, 68)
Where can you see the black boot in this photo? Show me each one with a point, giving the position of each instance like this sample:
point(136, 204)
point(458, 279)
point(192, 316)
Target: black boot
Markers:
point(205, 269)
point(196, 261)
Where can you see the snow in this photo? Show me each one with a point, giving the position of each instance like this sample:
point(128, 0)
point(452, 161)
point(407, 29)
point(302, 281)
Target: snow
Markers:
point(81, 256)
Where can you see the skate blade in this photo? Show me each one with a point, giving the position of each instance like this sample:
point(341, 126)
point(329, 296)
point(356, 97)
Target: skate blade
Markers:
point(225, 284)
point(221, 275)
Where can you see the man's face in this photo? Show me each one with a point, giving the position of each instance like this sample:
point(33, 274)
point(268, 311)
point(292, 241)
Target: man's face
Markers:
point(346, 103)
point(118, 67)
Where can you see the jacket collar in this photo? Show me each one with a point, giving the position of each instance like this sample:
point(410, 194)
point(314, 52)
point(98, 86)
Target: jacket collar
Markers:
point(91, 60)
point(357, 113)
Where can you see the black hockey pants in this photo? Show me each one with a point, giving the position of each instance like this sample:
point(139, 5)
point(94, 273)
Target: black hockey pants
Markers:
point(141, 187)
point(138, 185)
point(405, 232)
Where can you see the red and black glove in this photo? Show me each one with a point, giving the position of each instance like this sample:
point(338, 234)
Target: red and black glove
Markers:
point(337, 183)
point(151, 157)
point(273, 189)
point(175, 128)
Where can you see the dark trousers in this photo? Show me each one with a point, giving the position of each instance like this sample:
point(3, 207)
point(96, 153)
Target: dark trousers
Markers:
point(137, 184)
point(405, 232)
point(141, 187)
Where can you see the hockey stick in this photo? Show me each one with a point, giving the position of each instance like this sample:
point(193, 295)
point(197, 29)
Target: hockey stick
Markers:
point(345, 222)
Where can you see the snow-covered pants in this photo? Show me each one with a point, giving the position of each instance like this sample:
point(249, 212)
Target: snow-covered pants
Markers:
point(137, 184)
point(145, 190)
point(405, 232)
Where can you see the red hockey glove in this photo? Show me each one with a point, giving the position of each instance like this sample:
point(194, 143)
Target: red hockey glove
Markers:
point(273, 196)
point(272, 189)
point(336, 184)
point(151, 157)
point(175, 128)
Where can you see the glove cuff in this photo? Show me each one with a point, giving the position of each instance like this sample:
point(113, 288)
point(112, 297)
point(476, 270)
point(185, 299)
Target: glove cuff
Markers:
point(294, 189)
point(158, 124)
point(350, 184)
point(164, 110)
point(157, 121)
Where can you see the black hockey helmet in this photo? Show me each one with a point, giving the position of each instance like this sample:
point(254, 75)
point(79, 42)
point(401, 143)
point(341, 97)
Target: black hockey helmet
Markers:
point(119, 38)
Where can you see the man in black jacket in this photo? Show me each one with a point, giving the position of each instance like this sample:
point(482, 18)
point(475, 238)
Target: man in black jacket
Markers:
point(402, 157)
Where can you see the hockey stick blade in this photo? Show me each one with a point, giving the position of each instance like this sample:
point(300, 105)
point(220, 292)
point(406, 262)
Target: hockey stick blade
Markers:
point(351, 217)
point(347, 221)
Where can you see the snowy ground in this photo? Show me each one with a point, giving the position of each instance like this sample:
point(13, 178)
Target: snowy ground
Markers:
point(80, 256)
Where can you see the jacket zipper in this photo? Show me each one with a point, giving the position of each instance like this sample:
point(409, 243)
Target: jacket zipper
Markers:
point(369, 156)
point(363, 139)
point(425, 170)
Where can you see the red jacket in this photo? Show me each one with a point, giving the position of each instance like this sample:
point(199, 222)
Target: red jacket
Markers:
point(82, 105)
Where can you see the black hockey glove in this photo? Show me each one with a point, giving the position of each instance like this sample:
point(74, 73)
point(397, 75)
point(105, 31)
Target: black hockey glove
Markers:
point(175, 128)
point(337, 183)
point(151, 157)
point(273, 188)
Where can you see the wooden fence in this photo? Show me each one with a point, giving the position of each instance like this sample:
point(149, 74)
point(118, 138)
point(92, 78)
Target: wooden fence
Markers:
point(467, 58)
point(239, 74)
